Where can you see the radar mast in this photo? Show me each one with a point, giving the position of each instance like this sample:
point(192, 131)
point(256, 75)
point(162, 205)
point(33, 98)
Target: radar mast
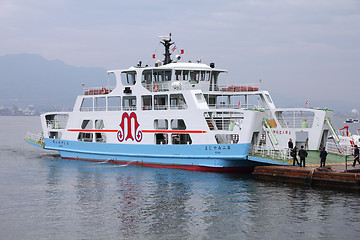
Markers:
point(166, 41)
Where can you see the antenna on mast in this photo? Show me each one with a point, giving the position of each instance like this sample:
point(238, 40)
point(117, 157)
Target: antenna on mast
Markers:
point(166, 41)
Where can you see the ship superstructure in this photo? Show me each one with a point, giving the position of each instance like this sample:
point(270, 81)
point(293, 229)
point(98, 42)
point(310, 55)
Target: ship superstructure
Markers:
point(178, 115)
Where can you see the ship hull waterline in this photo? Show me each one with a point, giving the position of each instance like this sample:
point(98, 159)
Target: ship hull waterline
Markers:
point(209, 157)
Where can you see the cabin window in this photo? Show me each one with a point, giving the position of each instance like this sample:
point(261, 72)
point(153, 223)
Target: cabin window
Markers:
point(87, 104)
point(194, 76)
point(167, 75)
point(85, 137)
point(160, 102)
point(204, 76)
point(114, 103)
point(185, 74)
point(178, 124)
point(100, 104)
point(56, 121)
point(178, 75)
point(181, 138)
point(146, 102)
point(161, 124)
point(55, 135)
point(129, 103)
point(161, 138)
point(87, 124)
point(177, 101)
point(227, 138)
point(99, 124)
point(99, 136)
point(146, 76)
point(161, 75)
point(128, 78)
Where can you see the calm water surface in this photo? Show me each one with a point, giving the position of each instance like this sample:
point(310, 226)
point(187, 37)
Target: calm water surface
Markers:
point(45, 197)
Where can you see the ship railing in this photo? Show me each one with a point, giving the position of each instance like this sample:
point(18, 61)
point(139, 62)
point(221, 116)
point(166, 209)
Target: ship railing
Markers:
point(247, 87)
point(273, 153)
point(178, 107)
point(296, 122)
point(339, 149)
point(129, 108)
point(185, 85)
point(228, 125)
point(56, 124)
point(235, 106)
point(35, 138)
point(114, 108)
point(160, 107)
point(99, 108)
point(157, 86)
point(98, 90)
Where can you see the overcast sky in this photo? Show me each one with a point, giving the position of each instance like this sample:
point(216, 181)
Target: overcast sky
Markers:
point(301, 49)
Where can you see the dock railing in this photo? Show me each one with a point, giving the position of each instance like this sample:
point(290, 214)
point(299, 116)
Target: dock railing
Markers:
point(348, 160)
point(274, 153)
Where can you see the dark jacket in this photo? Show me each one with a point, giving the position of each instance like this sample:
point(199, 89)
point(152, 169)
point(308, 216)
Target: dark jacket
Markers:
point(303, 153)
point(290, 144)
point(356, 151)
point(323, 154)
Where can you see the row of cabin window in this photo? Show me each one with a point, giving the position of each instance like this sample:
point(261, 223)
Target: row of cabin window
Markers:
point(158, 102)
point(159, 75)
point(160, 138)
point(176, 124)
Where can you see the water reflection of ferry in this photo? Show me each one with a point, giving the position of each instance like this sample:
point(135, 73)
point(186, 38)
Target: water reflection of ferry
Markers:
point(178, 115)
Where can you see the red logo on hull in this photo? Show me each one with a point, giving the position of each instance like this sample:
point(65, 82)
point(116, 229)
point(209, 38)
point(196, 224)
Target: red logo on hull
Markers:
point(129, 131)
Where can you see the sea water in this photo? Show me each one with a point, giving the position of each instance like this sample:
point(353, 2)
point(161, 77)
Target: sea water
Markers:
point(45, 197)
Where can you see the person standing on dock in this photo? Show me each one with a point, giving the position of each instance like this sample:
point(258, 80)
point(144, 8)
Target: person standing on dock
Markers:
point(356, 155)
point(290, 144)
point(293, 154)
point(323, 155)
point(302, 154)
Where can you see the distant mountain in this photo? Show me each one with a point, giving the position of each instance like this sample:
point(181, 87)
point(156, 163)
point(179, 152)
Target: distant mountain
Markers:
point(31, 79)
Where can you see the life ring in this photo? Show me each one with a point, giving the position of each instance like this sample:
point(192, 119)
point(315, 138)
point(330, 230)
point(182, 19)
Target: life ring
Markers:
point(342, 150)
point(156, 87)
point(103, 90)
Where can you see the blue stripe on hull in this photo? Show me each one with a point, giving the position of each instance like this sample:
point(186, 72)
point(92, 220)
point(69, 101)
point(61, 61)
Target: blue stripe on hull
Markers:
point(217, 156)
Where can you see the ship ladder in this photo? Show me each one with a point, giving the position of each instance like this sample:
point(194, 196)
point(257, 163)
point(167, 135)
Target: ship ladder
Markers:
point(335, 135)
point(211, 124)
point(273, 138)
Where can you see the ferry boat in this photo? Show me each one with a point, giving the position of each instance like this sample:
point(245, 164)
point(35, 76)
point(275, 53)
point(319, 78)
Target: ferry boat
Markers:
point(178, 115)
point(346, 141)
point(169, 115)
point(350, 120)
